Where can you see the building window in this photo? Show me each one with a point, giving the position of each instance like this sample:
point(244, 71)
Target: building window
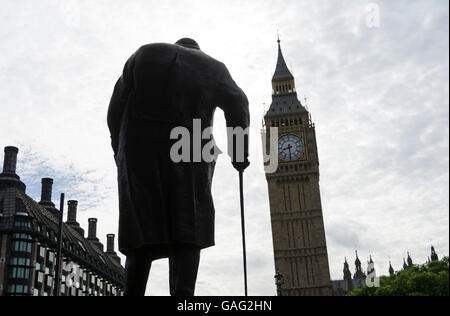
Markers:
point(21, 262)
point(19, 273)
point(17, 289)
point(51, 257)
point(22, 223)
point(40, 277)
point(20, 268)
point(22, 246)
point(22, 237)
point(42, 252)
point(49, 281)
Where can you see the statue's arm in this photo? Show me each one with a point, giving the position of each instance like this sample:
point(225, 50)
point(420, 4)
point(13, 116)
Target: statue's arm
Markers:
point(233, 101)
point(118, 102)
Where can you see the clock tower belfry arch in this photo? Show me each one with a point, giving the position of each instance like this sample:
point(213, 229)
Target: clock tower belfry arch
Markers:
point(298, 232)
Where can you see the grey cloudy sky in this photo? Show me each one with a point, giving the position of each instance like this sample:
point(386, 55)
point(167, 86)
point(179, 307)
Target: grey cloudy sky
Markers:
point(378, 95)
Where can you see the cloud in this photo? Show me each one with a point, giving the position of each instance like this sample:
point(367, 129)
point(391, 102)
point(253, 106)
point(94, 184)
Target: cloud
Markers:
point(378, 96)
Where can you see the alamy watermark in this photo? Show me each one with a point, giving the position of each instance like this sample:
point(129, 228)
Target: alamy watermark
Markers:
point(270, 153)
point(197, 145)
point(372, 280)
point(70, 13)
point(373, 15)
point(74, 274)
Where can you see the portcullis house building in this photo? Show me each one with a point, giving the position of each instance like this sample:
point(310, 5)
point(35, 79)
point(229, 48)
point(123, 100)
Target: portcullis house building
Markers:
point(28, 240)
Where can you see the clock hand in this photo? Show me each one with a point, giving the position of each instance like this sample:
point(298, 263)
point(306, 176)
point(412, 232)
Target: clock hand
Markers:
point(289, 147)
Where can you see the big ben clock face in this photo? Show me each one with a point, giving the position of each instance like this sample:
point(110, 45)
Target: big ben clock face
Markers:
point(290, 148)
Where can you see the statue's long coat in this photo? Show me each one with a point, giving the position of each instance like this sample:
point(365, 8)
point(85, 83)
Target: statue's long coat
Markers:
point(164, 86)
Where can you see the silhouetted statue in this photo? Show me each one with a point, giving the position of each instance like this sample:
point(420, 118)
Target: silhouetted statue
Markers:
point(166, 208)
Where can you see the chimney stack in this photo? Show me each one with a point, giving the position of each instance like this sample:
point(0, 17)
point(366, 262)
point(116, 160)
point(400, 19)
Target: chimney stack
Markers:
point(10, 161)
point(72, 217)
point(72, 212)
point(92, 230)
point(110, 248)
point(92, 233)
point(46, 192)
point(110, 243)
point(8, 177)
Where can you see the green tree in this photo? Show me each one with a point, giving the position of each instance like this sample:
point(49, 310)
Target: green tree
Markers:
point(431, 279)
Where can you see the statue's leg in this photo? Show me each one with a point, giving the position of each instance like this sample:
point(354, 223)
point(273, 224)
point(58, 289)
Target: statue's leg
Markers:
point(183, 265)
point(137, 269)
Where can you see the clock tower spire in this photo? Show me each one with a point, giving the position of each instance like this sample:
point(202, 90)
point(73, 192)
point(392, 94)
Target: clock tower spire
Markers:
point(284, 92)
point(298, 231)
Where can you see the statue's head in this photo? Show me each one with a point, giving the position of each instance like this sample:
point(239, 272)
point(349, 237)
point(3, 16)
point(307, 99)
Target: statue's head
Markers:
point(188, 43)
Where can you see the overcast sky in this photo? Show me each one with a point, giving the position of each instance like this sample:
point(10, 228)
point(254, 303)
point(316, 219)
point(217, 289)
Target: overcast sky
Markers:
point(377, 93)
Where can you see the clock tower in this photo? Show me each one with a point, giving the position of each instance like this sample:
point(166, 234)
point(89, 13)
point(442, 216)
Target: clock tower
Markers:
point(298, 232)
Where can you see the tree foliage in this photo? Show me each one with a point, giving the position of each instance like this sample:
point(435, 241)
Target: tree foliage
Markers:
point(431, 279)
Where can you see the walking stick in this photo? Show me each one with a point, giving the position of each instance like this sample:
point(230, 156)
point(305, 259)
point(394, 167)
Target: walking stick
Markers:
point(241, 186)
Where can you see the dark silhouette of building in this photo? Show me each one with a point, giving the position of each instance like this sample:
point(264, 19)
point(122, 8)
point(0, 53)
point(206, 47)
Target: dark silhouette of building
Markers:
point(391, 269)
point(348, 276)
point(348, 284)
point(410, 261)
point(359, 274)
point(28, 238)
point(434, 255)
